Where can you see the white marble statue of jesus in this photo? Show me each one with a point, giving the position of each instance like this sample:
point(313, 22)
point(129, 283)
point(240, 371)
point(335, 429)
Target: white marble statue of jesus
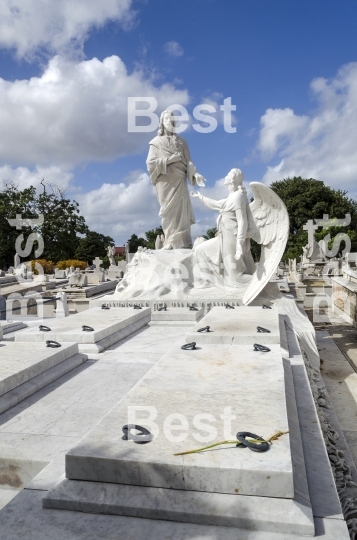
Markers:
point(169, 164)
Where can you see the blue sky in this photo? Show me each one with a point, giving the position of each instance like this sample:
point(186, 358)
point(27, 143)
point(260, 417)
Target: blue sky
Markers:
point(289, 67)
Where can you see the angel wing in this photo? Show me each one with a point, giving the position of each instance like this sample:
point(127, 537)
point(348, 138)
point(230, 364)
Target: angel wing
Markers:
point(268, 225)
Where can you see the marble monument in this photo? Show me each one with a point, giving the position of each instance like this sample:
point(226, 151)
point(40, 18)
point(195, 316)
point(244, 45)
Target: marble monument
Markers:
point(169, 164)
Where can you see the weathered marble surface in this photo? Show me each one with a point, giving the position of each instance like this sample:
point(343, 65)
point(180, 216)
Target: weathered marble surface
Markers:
point(194, 382)
point(322, 489)
point(237, 326)
point(252, 513)
point(26, 389)
point(7, 327)
point(20, 363)
point(25, 518)
point(345, 299)
point(177, 315)
point(106, 323)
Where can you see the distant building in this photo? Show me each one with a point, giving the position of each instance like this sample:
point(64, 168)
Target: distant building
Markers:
point(119, 251)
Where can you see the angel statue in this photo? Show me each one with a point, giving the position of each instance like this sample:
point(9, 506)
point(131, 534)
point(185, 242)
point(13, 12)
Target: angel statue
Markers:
point(226, 261)
point(110, 254)
point(169, 164)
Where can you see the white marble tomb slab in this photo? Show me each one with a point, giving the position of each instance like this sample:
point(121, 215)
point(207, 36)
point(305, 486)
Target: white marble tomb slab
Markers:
point(104, 322)
point(20, 362)
point(204, 381)
point(237, 326)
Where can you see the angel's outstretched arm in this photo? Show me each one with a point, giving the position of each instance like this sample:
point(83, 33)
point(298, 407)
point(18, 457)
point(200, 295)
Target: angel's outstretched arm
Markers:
point(211, 203)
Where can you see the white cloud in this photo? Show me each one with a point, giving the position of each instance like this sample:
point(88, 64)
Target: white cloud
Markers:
point(321, 145)
point(27, 26)
point(120, 210)
point(131, 206)
point(25, 178)
point(75, 112)
point(172, 48)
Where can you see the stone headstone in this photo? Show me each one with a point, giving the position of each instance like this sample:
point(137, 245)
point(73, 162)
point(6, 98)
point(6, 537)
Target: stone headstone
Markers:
point(76, 279)
point(62, 310)
point(97, 263)
point(95, 278)
point(60, 274)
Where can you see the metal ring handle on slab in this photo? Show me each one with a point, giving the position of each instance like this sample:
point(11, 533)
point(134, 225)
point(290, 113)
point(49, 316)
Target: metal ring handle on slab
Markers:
point(261, 348)
point(86, 328)
point(163, 308)
point(189, 346)
point(263, 330)
point(266, 307)
point(229, 307)
point(143, 437)
point(192, 308)
point(136, 306)
point(205, 329)
point(53, 344)
point(44, 328)
point(260, 447)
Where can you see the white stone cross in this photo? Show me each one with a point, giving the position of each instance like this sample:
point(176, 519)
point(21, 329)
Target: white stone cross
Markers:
point(97, 262)
point(310, 228)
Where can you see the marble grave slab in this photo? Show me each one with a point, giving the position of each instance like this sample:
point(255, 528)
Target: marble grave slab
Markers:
point(109, 326)
point(237, 326)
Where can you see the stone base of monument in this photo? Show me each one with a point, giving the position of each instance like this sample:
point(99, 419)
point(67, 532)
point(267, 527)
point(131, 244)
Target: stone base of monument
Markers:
point(176, 316)
point(186, 400)
point(106, 327)
point(26, 369)
point(238, 328)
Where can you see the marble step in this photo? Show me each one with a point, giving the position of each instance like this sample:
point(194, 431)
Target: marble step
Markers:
point(239, 511)
point(237, 326)
point(7, 327)
point(107, 342)
point(27, 389)
point(109, 326)
point(177, 314)
point(21, 362)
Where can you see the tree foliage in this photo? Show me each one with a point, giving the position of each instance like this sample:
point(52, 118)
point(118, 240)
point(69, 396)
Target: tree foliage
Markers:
point(94, 245)
point(60, 230)
point(137, 241)
point(210, 233)
point(310, 199)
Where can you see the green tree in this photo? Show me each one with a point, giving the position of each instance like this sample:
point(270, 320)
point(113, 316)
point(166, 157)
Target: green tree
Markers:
point(13, 202)
point(94, 245)
point(134, 242)
point(310, 199)
point(61, 227)
point(210, 233)
point(151, 237)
